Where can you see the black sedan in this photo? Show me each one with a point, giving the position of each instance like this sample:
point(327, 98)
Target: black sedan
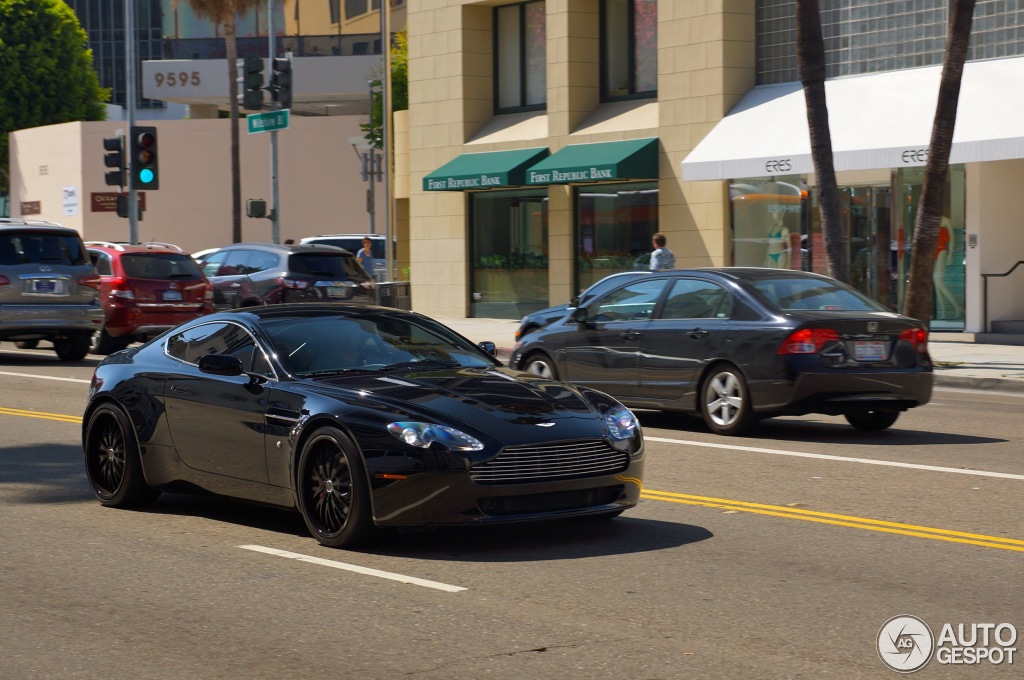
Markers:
point(739, 344)
point(357, 416)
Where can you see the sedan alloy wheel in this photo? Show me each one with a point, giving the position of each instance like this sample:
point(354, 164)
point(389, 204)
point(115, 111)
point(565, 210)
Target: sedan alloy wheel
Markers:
point(725, 402)
point(333, 493)
point(540, 364)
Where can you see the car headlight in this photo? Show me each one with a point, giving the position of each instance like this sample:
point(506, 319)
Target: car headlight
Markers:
point(621, 422)
point(425, 434)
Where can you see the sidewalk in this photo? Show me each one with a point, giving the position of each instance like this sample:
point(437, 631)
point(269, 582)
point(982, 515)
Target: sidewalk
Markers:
point(959, 361)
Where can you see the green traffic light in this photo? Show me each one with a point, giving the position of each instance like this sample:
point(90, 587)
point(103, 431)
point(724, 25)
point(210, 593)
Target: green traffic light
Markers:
point(146, 176)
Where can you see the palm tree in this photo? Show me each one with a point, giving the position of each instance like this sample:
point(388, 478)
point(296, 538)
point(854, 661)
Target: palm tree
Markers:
point(917, 302)
point(811, 64)
point(223, 13)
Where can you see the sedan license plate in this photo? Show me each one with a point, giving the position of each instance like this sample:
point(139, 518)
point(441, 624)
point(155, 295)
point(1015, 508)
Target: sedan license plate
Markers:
point(172, 295)
point(338, 292)
point(869, 351)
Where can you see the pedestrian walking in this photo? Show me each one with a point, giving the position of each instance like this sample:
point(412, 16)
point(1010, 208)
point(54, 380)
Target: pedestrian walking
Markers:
point(662, 257)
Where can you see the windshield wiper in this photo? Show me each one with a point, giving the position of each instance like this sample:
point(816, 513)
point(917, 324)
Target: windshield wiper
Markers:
point(335, 371)
point(421, 363)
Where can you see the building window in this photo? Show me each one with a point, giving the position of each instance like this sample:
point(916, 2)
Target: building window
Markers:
point(520, 62)
point(509, 253)
point(614, 226)
point(629, 49)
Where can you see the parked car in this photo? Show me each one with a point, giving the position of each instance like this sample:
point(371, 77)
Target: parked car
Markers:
point(247, 274)
point(145, 290)
point(354, 243)
point(49, 290)
point(739, 344)
point(543, 317)
point(367, 417)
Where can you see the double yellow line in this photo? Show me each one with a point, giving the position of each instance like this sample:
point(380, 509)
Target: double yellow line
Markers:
point(737, 506)
point(59, 417)
point(838, 520)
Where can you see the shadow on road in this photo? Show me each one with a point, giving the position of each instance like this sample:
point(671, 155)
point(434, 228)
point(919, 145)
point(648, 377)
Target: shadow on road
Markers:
point(828, 430)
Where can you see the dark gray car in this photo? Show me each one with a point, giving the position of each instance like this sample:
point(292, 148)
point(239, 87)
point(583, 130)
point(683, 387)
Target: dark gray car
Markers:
point(49, 289)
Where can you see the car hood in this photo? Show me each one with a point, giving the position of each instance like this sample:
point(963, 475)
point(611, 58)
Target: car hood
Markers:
point(491, 402)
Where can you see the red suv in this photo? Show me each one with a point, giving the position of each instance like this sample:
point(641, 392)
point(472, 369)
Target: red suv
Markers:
point(145, 289)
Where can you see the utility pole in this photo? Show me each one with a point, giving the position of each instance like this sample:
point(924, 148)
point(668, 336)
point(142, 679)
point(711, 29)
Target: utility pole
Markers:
point(129, 71)
point(385, 125)
point(275, 205)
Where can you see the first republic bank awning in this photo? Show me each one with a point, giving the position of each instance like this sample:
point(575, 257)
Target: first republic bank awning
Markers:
point(882, 120)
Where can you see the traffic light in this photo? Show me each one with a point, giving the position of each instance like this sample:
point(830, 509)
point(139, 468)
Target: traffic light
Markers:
point(113, 157)
point(250, 83)
point(281, 82)
point(145, 174)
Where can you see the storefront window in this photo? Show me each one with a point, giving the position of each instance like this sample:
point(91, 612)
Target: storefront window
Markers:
point(614, 225)
point(509, 246)
point(768, 225)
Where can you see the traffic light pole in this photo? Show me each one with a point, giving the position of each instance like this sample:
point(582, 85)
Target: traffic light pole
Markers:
point(129, 57)
point(275, 208)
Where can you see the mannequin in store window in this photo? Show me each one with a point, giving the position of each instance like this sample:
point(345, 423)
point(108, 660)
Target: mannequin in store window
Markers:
point(777, 255)
point(944, 297)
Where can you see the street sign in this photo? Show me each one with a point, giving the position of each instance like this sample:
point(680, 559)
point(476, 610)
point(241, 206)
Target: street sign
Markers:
point(268, 121)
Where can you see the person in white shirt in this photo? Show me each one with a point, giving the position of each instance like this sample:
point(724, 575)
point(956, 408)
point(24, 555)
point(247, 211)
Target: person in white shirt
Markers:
point(662, 257)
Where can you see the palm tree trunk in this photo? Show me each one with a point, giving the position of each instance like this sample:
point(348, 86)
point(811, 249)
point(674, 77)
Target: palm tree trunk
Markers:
point(231, 44)
point(921, 288)
point(811, 63)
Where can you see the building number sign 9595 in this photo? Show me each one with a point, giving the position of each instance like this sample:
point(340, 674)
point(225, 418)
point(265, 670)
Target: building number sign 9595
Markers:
point(174, 79)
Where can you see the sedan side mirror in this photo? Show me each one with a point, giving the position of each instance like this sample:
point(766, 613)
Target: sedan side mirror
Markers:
point(579, 315)
point(220, 364)
point(488, 347)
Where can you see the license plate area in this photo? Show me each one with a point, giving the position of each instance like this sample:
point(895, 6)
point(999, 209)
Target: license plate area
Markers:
point(868, 350)
point(336, 289)
point(171, 296)
point(45, 287)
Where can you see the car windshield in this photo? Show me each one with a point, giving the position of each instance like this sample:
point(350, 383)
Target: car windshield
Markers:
point(338, 266)
point(324, 345)
point(159, 266)
point(803, 293)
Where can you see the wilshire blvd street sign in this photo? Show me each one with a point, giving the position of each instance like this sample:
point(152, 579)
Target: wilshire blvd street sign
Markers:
point(268, 122)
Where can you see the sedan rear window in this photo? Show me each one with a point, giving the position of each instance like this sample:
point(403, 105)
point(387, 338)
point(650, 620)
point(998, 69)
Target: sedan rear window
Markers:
point(813, 293)
point(326, 264)
point(160, 266)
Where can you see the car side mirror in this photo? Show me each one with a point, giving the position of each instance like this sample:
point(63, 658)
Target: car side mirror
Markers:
point(488, 347)
point(579, 315)
point(220, 364)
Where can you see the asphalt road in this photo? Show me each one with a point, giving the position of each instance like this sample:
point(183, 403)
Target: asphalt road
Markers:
point(773, 556)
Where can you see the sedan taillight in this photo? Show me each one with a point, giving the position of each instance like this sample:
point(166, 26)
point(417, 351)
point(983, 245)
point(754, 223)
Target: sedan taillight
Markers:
point(87, 280)
point(918, 337)
point(295, 284)
point(4, 281)
point(808, 340)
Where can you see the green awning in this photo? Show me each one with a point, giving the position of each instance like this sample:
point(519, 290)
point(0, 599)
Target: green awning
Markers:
point(598, 162)
point(486, 170)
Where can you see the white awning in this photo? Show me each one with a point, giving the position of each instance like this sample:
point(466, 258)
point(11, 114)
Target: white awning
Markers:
point(881, 120)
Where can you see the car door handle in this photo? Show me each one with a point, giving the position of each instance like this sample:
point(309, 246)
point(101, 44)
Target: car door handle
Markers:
point(180, 388)
point(697, 333)
point(630, 335)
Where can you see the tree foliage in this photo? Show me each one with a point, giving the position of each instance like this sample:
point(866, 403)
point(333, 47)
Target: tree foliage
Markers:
point(46, 71)
point(399, 90)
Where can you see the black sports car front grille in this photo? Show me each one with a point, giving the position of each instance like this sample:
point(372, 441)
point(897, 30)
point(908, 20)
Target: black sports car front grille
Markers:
point(564, 460)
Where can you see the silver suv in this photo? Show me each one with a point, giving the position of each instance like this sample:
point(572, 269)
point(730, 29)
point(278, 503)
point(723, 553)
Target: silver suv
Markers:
point(49, 289)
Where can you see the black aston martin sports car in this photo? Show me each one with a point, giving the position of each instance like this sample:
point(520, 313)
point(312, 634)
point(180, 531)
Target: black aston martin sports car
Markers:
point(359, 417)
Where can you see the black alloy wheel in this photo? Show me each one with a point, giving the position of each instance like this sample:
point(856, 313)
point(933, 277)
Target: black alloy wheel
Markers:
point(872, 419)
point(540, 364)
point(725, 401)
point(333, 494)
point(112, 461)
point(72, 348)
